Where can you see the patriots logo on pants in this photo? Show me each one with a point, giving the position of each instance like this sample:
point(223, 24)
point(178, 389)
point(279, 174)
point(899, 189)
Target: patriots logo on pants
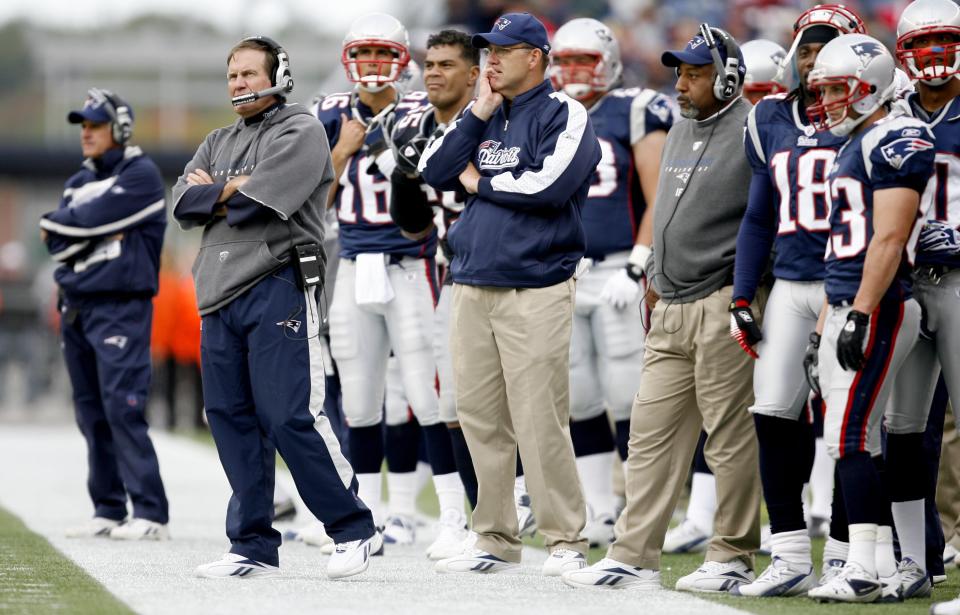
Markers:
point(899, 151)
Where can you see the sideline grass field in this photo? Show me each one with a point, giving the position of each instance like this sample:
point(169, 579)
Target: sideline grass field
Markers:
point(37, 579)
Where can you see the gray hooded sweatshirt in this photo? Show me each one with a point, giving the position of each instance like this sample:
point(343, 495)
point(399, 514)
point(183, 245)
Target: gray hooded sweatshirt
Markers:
point(701, 197)
point(287, 157)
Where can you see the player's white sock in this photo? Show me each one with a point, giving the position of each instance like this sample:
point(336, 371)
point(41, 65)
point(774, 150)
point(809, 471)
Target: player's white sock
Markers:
point(402, 490)
point(424, 473)
point(450, 491)
point(885, 558)
point(835, 549)
point(909, 519)
point(369, 492)
point(519, 487)
point(821, 481)
point(703, 501)
point(596, 476)
point(792, 547)
point(863, 546)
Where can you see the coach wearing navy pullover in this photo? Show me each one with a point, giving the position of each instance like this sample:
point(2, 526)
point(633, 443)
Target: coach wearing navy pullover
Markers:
point(526, 154)
point(107, 234)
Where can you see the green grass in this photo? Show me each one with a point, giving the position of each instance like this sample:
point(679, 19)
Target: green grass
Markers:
point(36, 578)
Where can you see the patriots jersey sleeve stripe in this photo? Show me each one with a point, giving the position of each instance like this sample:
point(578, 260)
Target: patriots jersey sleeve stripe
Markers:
point(752, 142)
point(61, 251)
point(77, 230)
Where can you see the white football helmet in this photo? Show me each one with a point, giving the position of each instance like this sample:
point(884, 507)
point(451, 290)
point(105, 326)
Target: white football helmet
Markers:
point(584, 36)
point(836, 16)
point(934, 65)
point(376, 30)
point(762, 59)
point(865, 68)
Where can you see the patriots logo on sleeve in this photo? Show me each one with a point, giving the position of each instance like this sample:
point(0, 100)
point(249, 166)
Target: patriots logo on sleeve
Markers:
point(867, 51)
point(661, 108)
point(899, 151)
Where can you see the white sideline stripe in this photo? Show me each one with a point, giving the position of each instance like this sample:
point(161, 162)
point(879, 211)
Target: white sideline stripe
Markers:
point(568, 142)
point(104, 229)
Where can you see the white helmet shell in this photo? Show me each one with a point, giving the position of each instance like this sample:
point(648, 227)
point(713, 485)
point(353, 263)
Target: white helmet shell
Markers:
point(376, 30)
point(762, 59)
point(925, 17)
point(865, 67)
point(585, 36)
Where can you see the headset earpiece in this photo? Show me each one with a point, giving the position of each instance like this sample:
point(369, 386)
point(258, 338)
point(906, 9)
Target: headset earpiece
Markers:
point(726, 84)
point(282, 77)
point(121, 120)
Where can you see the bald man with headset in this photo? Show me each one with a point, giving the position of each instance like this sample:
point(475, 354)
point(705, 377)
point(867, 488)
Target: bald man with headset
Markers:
point(692, 375)
point(258, 188)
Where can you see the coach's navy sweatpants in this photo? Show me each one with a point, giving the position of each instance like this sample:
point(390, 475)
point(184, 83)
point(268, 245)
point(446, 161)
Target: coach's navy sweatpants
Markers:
point(263, 387)
point(106, 345)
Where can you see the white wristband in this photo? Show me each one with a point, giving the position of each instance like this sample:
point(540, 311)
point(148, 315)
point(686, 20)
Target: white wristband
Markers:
point(639, 255)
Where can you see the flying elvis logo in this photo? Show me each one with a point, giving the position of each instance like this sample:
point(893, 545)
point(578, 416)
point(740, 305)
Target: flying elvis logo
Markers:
point(490, 156)
point(899, 151)
point(502, 23)
point(867, 51)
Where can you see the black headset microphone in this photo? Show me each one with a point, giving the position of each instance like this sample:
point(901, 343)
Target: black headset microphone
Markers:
point(281, 82)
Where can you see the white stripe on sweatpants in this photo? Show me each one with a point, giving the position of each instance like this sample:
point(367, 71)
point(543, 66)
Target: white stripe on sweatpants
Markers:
point(318, 391)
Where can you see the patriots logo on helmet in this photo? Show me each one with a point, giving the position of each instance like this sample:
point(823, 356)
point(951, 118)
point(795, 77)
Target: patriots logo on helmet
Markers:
point(867, 51)
point(502, 23)
point(778, 57)
point(603, 35)
point(899, 151)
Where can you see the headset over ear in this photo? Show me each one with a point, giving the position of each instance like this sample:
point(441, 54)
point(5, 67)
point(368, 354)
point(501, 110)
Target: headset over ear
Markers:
point(282, 78)
point(121, 120)
point(727, 82)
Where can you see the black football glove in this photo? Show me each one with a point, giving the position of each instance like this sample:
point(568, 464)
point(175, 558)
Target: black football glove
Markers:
point(851, 340)
point(408, 155)
point(811, 363)
point(743, 326)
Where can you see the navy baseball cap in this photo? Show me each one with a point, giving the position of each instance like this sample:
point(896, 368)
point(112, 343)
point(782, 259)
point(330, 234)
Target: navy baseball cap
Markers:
point(512, 29)
point(95, 108)
point(697, 53)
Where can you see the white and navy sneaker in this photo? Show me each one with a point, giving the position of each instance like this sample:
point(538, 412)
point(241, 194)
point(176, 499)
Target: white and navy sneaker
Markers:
point(312, 534)
point(685, 538)
point(399, 530)
point(284, 510)
point(891, 588)
point(525, 520)
point(611, 574)
point(914, 581)
point(599, 531)
point(98, 527)
point(949, 554)
point(850, 584)
point(716, 577)
point(450, 539)
point(831, 568)
point(476, 561)
point(951, 607)
point(350, 558)
point(563, 560)
point(236, 566)
point(140, 529)
point(781, 578)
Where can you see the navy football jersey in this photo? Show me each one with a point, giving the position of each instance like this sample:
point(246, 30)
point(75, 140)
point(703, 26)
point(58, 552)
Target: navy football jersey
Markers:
point(896, 152)
point(615, 203)
point(781, 141)
point(942, 195)
point(363, 197)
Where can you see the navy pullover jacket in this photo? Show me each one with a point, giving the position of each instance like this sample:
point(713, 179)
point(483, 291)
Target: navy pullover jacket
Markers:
point(536, 156)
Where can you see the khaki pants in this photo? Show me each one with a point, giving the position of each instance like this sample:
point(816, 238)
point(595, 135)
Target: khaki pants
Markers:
point(694, 375)
point(511, 354)
point(948, 485)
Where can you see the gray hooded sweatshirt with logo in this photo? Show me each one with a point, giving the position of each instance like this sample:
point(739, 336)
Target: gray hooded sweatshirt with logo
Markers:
point(287, 159)
point(701, 198)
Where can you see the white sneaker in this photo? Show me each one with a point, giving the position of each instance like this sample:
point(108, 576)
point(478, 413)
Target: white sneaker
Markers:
point(685, 538)
point(781, 578)
point(350, 558)
point(766, 546)
point(891, 589)
point(284, 510)
point(525, 519)
point(98, 527)
point(850, 584)
point(563, 560)
point(476, 561)
point(611, 574)
point(312, 534)
point(914, 581)
point(716, 577)
point(399, 530)
point(831, 568)
point(599, 531)
point(951, 607)
point(236, 566)
point(140, 529)
point(949, 554)
point(450, 539)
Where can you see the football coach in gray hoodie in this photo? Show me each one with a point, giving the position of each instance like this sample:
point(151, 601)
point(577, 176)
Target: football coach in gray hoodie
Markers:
point(692, 374)
point(259, 189)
